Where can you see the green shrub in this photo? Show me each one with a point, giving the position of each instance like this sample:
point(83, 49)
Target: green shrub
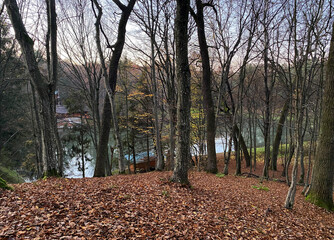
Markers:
point(220, 175)
point(260, 187)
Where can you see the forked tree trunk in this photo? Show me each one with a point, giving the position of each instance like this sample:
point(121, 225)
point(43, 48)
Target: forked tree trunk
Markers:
point(110, 84)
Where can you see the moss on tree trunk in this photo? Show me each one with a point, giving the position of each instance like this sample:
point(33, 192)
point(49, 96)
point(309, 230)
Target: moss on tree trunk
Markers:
point(321, 191)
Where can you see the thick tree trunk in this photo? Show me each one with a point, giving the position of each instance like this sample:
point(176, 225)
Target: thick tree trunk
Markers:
point(180, 173)
point(206, 90)
point(53, 74)
point(321, 191)
point(102, 150)
point(121, 164)
point(50, 163)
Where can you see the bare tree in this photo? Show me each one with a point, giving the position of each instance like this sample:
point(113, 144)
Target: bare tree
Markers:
point(206, 87)
point(45, 86)
point(149, 17)
point(110, 77)
point(312, 20)
point(81, 66)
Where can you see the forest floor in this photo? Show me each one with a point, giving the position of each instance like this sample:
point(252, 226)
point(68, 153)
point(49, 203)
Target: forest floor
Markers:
point(148, 206)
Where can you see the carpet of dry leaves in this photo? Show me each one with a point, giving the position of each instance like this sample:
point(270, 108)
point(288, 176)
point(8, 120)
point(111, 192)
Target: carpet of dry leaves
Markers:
point(147, 206)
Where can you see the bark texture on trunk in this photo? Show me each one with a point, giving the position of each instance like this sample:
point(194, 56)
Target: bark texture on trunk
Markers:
point(321, 191)
point(208, 105)
point(180, 173)
point(102, 150)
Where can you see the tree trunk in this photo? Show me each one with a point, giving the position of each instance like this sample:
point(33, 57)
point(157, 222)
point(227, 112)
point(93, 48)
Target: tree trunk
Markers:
point(321, 191)
point(43, 88)
point(172, 120)
point(236, 150)
point(111, 77)
point(243, 145)
point(279, 132)
point(266, 120)
point(121, 165)
point(134, 152)
point(159, 166)
point(180, 173)
point(206, 90)
point(102, 150)
point(228, 157)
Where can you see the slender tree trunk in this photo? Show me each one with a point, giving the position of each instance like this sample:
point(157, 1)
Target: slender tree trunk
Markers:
point(147, 150)
point(172, 120)
point(250, 139)
point(243, 145)
point(159, 165)
point(228, 157)
point(37, 132)
point(266, 120)
point(180, 173)
point(134, 152)
point(82, 149)
point(279, 132)
point(236, 150)
point(254, 138)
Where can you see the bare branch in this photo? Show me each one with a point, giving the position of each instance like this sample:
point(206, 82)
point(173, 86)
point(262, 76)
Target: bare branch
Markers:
point(120, 5)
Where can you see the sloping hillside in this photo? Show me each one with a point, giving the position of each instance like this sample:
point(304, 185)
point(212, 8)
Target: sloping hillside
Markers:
point(147, 206)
